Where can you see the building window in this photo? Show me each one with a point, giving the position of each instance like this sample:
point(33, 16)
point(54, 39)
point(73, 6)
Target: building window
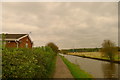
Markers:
point(20, 41)
point(26, 39)
point(26, 45)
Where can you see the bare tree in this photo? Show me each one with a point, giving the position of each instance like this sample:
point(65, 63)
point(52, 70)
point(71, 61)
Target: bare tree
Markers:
point(109, 49)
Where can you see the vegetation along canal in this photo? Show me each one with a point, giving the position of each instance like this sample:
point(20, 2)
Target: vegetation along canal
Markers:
point(98, 69)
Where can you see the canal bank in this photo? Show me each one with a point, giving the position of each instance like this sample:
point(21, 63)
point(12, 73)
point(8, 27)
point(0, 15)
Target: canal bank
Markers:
point(118, 62)
point(75, 70)
point(97, 68)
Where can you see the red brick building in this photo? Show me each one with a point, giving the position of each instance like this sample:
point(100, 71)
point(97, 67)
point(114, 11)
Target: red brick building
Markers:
point(18, 40)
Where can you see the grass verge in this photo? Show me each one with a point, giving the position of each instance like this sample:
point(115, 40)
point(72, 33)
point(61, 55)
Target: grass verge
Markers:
point(76, 71)
point(52, 68)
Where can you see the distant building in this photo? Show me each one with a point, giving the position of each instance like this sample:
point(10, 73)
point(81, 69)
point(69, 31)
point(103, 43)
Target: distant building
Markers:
point(18, 41)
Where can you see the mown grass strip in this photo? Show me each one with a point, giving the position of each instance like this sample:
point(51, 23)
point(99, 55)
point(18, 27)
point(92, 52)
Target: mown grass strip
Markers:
point(76, 71)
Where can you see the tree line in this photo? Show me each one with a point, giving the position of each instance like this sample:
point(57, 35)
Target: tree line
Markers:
point(81, 50)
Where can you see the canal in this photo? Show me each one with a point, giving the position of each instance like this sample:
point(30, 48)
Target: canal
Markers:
point(97, 68)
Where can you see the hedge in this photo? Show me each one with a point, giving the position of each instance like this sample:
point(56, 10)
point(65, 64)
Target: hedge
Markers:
point(27, 63)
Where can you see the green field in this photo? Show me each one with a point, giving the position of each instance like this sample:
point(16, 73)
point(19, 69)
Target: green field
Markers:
point(94, 55)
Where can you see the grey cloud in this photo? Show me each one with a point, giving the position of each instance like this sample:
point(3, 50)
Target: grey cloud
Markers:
point(84, 24)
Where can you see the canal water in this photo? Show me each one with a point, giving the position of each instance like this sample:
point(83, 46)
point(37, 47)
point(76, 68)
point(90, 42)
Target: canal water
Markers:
point(97, 68)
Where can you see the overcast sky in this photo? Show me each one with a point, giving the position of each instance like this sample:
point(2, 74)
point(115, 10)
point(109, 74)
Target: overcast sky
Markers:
point(68, 25)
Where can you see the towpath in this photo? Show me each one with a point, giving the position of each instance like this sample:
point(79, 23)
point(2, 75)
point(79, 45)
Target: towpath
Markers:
point(61, 70)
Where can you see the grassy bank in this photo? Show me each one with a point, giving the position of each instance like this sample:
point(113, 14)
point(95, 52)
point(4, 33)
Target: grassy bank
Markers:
point(95, 55)
point(28, 63)
point(76, 71)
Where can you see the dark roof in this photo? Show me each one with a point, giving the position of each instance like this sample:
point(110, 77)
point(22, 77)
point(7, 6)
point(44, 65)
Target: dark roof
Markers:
point(14, 36)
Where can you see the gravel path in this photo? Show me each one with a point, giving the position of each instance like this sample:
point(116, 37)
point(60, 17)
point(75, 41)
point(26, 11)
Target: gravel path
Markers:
point(61, 70)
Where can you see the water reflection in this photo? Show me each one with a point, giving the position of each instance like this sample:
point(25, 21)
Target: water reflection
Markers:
point(109, 70)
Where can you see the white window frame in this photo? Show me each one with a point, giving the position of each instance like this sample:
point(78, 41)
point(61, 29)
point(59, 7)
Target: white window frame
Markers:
point(26, 45)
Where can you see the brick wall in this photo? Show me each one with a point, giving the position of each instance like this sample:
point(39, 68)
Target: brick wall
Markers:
point(24, 41)
point(11, 44)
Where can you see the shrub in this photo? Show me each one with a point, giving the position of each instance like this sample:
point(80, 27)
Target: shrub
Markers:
point(53, 46)
point(26, 63)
